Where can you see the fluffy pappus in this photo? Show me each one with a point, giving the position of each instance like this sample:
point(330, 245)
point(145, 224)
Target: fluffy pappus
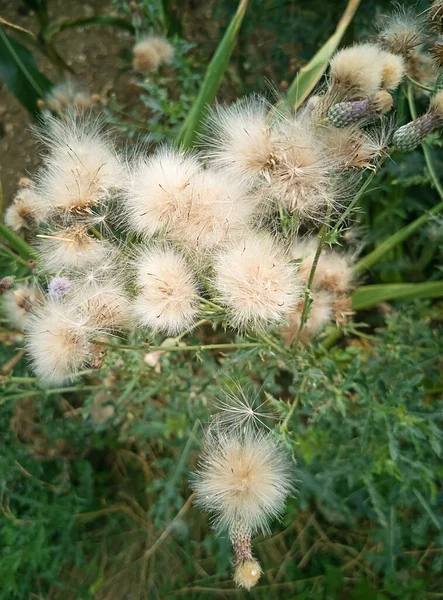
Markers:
point(334, 269)
point(401, 32)
point(159, 191)
point(247, 574)
point(239, 138)
point(68, 97)
point(168, 298)
point(19, 303)
point(393, 70)
point(320, 314)
point(150, 52)
point(256, 281)
point(303, 178)
point(106, 304)
point(242, 481)
point(71, 247)
point(357, 149)
point(82, 169)
point(356, 71)
point(27, 208)
point(58, 341)
point(219, 210)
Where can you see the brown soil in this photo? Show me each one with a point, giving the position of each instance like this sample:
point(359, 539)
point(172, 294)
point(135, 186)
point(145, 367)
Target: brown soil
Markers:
point(92, 52)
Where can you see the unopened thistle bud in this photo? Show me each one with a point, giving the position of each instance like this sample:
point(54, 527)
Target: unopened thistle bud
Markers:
point(409, 136)
point(436, 16)
point(344, 114)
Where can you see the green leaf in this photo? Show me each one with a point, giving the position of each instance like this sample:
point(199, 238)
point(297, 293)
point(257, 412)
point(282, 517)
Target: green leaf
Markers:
point(309, 75)
point(212, 80)
point(369, 295)
point(19, 71)
point(107, 20)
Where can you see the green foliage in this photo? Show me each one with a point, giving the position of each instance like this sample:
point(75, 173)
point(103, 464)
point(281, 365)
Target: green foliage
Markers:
point(212, 80)
point(19, 71)
point(366, 435)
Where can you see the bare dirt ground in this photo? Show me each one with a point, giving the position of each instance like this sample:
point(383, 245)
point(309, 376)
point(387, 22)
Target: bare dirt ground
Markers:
point(94, 55)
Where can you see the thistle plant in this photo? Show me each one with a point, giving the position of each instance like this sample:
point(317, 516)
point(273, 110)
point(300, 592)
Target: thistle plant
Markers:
point(238, 232)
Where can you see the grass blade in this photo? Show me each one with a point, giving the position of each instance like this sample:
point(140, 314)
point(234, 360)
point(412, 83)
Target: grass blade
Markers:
point(309, 75)
point(212, 80)
point(367, 296)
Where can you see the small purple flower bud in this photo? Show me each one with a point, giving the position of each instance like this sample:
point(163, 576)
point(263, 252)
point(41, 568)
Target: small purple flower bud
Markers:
point(58, 287)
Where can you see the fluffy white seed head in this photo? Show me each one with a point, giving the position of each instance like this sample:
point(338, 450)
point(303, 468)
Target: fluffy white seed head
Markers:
point(393, 70)
point(219, 210)
point(70, 248)
point(357, 149)
point(401, 32)
point(320, 314)
point(243, 480)
point(240, 138)
point(68, 97)
point(256, 281)
point(82, 170)
point(356, 71)
point(334, 269)
point(19, 303)
point(150, 52)
point(159, 191)
point(58, 341)
point(303, 177)
point(105, 302)
point(168, 298)
point(26, 210)
point(247, 574)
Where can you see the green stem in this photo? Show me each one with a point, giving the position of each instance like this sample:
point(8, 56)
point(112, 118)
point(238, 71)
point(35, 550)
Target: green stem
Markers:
point(307, 293)
point(269, 342)
point(419, 85)
point(49, 392)
point(373, 257)
point(179, 348)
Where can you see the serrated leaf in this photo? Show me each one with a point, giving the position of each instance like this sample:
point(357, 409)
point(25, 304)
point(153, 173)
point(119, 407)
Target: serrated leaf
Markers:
point(19, 71)
point(211, 83)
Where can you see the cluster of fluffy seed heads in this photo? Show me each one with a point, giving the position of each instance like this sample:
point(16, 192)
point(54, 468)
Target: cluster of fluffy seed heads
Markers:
point(150, 52)
point(243, 480)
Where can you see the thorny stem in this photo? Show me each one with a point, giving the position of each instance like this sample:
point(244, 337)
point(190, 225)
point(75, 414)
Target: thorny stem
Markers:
point(307, 292)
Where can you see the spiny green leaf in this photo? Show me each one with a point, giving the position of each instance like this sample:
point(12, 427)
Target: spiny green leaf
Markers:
point(19, 71)
point(212, 80)
point(309, 75)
